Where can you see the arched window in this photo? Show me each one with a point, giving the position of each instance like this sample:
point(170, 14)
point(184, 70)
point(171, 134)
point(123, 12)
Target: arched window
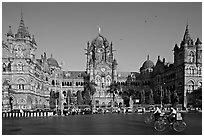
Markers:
point(191, 57)
point(199, 84)
point(19, 66)
point(199, 70)
point(4, 67)
point(191, 70)
point(62, 83)
point(53, 82)
point(108, 81)
point(190, 86)
point(21, 83)
point(98, 80)
point(64, 93)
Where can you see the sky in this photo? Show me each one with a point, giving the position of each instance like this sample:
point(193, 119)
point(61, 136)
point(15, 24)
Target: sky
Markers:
point(136, 29)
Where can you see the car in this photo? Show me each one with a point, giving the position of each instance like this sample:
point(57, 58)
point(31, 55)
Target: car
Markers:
point(140, 110)
point(149, 109)
point(129, 110)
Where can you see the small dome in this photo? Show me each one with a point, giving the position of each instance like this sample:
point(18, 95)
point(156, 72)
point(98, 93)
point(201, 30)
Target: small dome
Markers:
point(99, 39)
point(147, 64)
point(52, 62)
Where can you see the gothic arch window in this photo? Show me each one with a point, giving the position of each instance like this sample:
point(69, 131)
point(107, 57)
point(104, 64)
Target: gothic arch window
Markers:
point(19, 66)
point(53, 82)
point(62, 83)
point(199, 70)
point(199, 84)
point(21, 83)
point(98, 80)
point(108, 80)
point(190, 86)
point(191, 57)
point(64, 93)
point(191, 70)
point(4, 67)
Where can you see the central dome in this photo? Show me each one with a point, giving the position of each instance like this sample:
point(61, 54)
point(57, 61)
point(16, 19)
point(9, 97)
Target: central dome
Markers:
point(52, 62)
point(148, 64)
point(99, 39)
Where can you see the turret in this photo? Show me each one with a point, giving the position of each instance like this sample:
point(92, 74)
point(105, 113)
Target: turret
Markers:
point(9, 33)
point(198, 42)
point(33, 40)
point(176, 48)
point(21, 32)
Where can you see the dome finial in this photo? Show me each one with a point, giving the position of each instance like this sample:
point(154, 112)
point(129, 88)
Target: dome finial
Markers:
point(99, 30)
point(147, 57)
point(21, 14)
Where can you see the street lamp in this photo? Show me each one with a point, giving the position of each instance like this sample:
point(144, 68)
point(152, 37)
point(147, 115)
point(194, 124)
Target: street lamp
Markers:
point(161, 96)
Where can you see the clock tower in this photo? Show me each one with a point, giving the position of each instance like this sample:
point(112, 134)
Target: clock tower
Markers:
point(101, 67)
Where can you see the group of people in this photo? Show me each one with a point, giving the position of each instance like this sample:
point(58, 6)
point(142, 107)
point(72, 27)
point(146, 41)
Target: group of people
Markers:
point(160, 111)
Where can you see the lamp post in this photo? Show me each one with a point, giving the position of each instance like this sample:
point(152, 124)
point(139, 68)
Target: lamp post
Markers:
point(161, 96)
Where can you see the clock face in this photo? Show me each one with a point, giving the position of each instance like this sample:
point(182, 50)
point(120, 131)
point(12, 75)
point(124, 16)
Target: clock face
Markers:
point(103, 69)
point(100, 50)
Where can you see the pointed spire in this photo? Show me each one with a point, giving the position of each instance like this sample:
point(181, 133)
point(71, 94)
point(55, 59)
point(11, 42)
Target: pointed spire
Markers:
point(186, 38)
point(176, 47)
point(99, 30)
point(21, 33)
point(51, 55)
point(198, 42)
point(147, 57)
point(21, 14)
point(27, 32)
point(33, 40)
point(9, 32)
point(115, 62)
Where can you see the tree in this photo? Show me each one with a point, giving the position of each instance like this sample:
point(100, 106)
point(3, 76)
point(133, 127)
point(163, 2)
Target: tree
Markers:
point(113, 89)
point(195, 98)
point(68, 99)
point(79, 98)
point(174, 99)
point(89, 91)
point(52, 100)
point(151, 100)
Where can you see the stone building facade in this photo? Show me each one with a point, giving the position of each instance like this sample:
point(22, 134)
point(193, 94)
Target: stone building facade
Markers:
point(29, 82)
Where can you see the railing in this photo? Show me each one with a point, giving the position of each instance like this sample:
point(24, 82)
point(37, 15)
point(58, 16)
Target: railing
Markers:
point(26, 114)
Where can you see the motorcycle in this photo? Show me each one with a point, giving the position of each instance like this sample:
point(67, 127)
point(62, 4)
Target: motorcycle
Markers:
point(178, 124)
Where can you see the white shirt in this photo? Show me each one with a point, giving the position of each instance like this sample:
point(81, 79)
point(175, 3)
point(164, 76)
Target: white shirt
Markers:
point(157, 110)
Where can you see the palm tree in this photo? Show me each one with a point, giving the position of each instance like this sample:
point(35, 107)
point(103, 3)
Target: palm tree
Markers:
point(113, 89)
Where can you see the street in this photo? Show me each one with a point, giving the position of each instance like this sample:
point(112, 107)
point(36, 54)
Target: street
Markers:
point(98, 124)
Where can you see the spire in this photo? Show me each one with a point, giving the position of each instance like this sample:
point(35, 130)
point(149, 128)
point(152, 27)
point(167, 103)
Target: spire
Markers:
point(99, 30)
point(27, 32)
point(186, 38)
point(9, 32)
point(147, 57)
point(21, 14)
point(21, 33)
point(33, 40)
point(176, 47)
point(198, 42)
point(51, 56)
